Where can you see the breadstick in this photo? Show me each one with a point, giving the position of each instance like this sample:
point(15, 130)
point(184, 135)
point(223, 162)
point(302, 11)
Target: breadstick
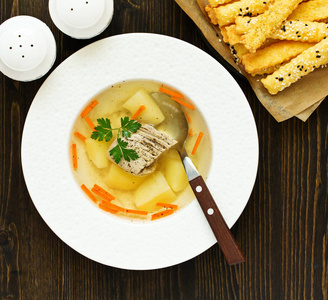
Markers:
point(302, 31)
point(227, 14)
point(211, 14)
point(298, 67)
point(314, 10)
point(273, 56)
point(231, 35)
point(215, 3)
point(312, 32)
point(225, 35)
point(267, 23)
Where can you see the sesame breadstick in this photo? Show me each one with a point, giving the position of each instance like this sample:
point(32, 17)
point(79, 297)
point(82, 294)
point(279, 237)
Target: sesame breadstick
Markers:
point(298, 67)
point(227, 14)
point(268, 22)
point(273, 55)
point(302, 31)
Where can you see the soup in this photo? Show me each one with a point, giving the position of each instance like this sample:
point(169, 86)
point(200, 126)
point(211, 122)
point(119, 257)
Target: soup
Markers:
point(159, 189)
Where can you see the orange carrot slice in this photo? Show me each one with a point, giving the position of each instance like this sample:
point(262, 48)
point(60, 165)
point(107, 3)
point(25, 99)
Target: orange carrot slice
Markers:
point(166, 205)
point(88, 192)
point(90, 123)
point(80, 136)
point(190, 133)
point(113, 206)
point(105, 208)
point(89, 108)
point(199, 138)
point(171, 93)
point(136, 212)
point(74, 156)
point(188, 118)
point(100, 194)
point(138, 112)
point(104, 192)
point(162, 214)
point(183, 103)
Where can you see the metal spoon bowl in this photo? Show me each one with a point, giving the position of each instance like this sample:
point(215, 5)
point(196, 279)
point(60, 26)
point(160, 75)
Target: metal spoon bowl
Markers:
point(176, 126)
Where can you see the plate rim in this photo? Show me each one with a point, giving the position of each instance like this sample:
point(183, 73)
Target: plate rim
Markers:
point(149, 37)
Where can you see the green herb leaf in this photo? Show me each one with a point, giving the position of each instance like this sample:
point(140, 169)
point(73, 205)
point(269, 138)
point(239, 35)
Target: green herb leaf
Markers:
point(128, 154)
point(116, 153)
point(103, 130)
point(129, 126)
point(120, 151)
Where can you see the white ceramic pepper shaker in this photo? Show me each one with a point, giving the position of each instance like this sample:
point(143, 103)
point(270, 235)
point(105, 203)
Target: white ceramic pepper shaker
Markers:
point(81, 19)
point(27, 48)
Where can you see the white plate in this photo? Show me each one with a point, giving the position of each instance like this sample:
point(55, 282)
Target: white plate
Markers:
point(45, 154)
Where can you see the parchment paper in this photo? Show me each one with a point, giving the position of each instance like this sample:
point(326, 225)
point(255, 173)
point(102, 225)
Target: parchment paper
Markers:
point(300, 99)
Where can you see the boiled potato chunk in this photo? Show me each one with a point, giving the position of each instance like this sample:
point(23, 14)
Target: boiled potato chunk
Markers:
point(151, 114)
point(97, 152)
point(153, 190)
point(174, 171)
point(117, 178)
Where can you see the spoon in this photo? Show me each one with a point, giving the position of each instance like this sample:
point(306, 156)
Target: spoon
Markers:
point(176, 126)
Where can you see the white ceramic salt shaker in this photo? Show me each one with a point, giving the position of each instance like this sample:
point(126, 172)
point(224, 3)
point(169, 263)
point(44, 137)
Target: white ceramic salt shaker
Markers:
point(27, 48)
point(81, 19)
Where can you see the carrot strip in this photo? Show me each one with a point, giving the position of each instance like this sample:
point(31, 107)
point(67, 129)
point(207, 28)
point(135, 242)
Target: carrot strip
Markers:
point(80, 136)
point(136, 212)
point(188, 118)
point(190, 133)
point(89, 108)
point(199, 138)
point(162, 214)
point(183, 103)
point(101, 190)
point(171, 93)
point(100, 194)
point(90, 123)
point(113, 206)
point(74, 156)
point(88, 192)
point(138, 112)
point(105, 208)
point(166, 205)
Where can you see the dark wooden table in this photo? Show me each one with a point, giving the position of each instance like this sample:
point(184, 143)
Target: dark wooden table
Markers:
point(283, 230)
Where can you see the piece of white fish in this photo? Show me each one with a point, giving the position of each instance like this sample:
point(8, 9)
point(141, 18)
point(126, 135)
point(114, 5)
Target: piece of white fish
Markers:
point(150, 144)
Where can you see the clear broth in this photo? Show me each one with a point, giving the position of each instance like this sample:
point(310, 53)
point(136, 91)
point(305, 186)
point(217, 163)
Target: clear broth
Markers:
point(110, 106)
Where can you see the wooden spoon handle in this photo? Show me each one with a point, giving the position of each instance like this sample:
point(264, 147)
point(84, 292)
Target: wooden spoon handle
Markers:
point(219, 227)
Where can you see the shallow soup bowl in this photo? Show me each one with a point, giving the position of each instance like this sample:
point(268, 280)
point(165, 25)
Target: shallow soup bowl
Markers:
point(46, 140)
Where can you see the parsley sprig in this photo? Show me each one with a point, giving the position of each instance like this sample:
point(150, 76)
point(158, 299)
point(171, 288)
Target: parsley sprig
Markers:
point(104, 130)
